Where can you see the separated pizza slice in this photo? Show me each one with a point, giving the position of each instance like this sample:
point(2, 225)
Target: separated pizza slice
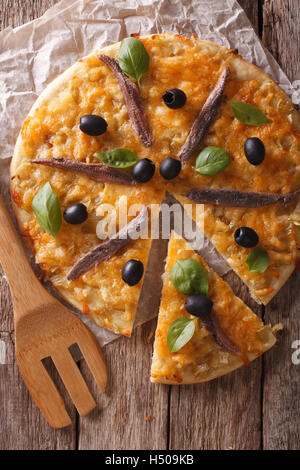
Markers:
point(192, 349)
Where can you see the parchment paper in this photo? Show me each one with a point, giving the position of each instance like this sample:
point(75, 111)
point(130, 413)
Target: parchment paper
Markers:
point(33, 54)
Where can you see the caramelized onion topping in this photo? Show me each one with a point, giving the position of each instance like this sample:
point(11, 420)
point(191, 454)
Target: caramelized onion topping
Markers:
point(107, 249)
point(205, 118)
point(132, 101)
point(97, 172)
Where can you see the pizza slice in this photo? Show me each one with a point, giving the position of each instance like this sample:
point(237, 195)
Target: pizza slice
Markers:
point(100, 291)
point(275, 230)
point(205, 347)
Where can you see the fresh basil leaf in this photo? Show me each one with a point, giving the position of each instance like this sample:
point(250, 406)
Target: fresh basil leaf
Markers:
point(47, 210)
point(248, 114)
point(180, 332)
point(212, 160)
point(257, 261)
point(189, 277)
point(133, 58)
point(117, 158)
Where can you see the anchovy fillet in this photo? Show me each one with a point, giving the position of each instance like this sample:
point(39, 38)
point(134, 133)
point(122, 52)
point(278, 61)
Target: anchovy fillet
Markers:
point(132, 100)
point(107, 249)
point(205, 118)
point(211, 322)
point(97, 172)
point(233, 198)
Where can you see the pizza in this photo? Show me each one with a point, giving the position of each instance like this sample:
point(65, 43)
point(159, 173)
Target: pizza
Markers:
point(122, 127)
point(202, 358)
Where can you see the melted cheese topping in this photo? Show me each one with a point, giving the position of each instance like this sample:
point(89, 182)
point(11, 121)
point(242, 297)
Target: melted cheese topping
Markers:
point(201, 358)
point(52, 130)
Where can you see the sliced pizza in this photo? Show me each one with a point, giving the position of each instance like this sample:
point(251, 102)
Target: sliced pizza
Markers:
point(110, 131)
point(221, 335)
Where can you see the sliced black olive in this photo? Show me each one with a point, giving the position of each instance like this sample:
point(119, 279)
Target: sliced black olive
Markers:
point(246, 237)
point(198, 305)
point(92, 124)
point(132, 272)
point(170, 168)
point(75, 214)
point(143, 170)
point(174, 98)
point(254, 150)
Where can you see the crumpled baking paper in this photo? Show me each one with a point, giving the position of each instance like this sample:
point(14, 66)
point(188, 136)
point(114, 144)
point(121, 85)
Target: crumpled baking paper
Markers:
point(33, 54)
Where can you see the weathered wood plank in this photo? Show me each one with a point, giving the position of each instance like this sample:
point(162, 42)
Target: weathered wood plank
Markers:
point(16, 12)
point(222, 414)
point(6, 315)
point(251, 8)
point(281, 387)
point(281, 391)
point(120, 420)
point(281, 19)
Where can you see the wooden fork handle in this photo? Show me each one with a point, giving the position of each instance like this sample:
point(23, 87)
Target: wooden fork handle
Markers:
point(25, 287)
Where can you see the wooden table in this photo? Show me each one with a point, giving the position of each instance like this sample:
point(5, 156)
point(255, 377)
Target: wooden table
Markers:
point(253, 408)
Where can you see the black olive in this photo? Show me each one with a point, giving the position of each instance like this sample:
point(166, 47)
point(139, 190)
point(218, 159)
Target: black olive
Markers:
point(246, 236)
point(254, 150)
point(92, 124)
point(198, 305)
point(143, 170)
point(132, 272)
point(75, 214)
point(170, 168)
point(174, 98)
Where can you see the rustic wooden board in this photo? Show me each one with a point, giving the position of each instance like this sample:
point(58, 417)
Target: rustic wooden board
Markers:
point(253, 408)
point(120, 421)
point(16, 12)
point(281, 389)
point(281, 20)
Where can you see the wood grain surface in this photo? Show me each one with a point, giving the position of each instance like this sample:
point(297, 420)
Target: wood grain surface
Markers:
point(253, 408)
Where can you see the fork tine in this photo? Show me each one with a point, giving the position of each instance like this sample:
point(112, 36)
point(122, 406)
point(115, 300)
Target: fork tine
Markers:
point(44, 392)
point(92, 353)
point(74, 382)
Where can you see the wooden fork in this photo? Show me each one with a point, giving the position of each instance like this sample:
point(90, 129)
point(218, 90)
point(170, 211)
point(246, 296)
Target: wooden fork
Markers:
point(43, 328)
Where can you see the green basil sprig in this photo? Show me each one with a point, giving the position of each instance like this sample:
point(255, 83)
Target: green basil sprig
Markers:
point(180, 332)
point(133, 58)
point(117, 158)
point(212, 160)
point(189, 277)
point(257, 261)
point(47, 210)
point(248, 114)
